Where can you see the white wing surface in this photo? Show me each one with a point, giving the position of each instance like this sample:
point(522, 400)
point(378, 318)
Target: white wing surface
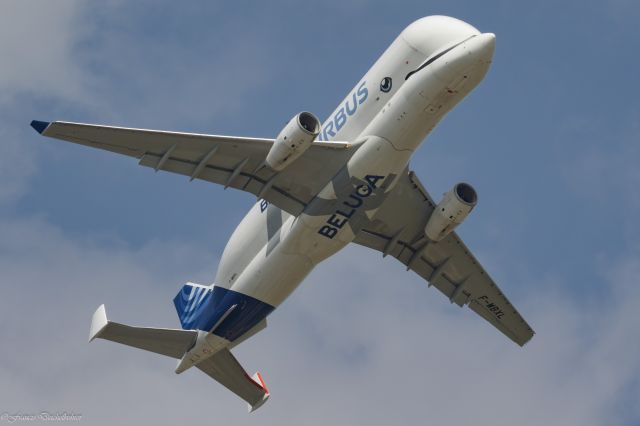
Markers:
point(448, 265)
point(235, 162)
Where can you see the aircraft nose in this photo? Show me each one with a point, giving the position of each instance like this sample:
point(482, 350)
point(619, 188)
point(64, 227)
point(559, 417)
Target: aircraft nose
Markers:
point(475, 53)
point(486, 46)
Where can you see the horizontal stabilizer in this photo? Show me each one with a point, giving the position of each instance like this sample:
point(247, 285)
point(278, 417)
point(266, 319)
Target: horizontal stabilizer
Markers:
point(225, 369)
point(222, 366)
point(164, 341)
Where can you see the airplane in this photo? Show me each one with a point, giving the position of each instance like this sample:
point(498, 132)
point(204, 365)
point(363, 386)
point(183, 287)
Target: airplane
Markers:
point(319, 188)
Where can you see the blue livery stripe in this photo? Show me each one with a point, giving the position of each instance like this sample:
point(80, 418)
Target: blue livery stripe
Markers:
point(200, 308)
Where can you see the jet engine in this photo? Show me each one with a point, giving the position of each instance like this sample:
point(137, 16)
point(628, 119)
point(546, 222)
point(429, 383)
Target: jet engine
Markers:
point(451, 211)
point(293, 140)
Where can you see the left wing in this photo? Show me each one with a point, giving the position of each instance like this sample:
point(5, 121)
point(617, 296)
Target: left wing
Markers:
point(232, 161)
point(448, 265)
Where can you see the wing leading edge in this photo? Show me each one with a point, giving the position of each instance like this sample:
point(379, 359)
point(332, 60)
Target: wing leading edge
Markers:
point(448, 265)
point(231, 161)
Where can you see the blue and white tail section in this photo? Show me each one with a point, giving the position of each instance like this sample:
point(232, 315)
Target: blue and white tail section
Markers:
point(226, 313)
point(207, 352)
point(191, 303)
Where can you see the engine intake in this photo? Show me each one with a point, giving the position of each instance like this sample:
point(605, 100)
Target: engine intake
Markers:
point(293, 140)
point(451, 211)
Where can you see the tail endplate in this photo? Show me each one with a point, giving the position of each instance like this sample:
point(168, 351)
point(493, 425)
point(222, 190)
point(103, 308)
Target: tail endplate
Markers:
point(257, 379)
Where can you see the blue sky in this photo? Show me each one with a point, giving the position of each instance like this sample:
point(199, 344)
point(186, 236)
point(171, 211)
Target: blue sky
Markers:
point(550, 140)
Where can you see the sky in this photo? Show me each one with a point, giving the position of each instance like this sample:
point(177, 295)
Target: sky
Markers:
point(550, 140)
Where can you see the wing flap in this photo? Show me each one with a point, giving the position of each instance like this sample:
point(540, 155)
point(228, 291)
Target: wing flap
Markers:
point(218, 172)
point(414, 260)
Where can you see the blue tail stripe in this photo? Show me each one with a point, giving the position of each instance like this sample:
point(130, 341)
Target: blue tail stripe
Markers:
point(198, 305)
point(200, 308)
point(193, 300)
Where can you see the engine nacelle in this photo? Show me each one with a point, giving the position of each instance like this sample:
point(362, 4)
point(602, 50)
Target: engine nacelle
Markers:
point(293, 140)
point(451, 211)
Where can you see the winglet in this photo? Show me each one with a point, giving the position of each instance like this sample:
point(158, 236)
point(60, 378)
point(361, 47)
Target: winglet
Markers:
point(40, 126)
point(257, 378)
point(98, 323)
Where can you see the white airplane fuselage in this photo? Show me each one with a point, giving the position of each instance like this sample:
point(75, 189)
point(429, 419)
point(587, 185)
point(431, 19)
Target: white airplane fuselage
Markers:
point(389, 113)
point(320, 187)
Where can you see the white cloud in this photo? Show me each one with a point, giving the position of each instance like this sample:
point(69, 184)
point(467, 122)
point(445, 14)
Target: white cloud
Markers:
point(17, 164)
point(37, 43)
point(101, 59)
point(62, 54)
point(361, 342)
point(427, 358)
point(160, 78)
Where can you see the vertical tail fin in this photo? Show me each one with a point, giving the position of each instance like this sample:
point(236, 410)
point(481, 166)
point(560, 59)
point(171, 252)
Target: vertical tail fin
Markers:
point(191, 302)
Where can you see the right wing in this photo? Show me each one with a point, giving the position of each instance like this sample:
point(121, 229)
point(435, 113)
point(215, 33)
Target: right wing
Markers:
point(232, 161)
point(448, 265)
